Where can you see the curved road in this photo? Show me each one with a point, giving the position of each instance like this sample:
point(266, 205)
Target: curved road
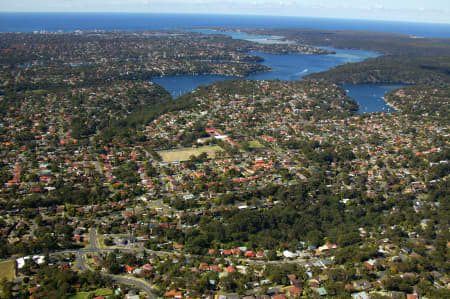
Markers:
point(138, 283)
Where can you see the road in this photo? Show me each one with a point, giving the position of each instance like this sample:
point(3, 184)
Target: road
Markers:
point(94, 248)
point(80, 261)
point(93, 237)
point(136, 283)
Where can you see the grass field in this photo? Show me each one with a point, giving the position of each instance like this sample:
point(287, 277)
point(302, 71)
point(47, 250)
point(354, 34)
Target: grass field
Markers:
point(81, 295)
point(254, 144)
point(185, 153)
point(100, 292)
point(7, 270)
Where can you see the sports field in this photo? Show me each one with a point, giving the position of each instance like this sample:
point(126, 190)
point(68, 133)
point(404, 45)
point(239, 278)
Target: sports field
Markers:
point(184, 154)
point(254, 144)
point(106, 293)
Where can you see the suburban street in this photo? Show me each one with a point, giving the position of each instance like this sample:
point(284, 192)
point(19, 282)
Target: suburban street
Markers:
point(94, 248)
point(93, 237)
point(136, 283)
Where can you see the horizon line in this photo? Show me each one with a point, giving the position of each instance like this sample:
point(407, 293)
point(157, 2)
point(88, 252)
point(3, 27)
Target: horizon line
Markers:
point(224, 14)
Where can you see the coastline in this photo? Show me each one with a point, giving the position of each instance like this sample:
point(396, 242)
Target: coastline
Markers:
point(70, 22)
point(390, 104)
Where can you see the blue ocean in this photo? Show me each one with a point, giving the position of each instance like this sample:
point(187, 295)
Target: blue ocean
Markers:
point(29, 22)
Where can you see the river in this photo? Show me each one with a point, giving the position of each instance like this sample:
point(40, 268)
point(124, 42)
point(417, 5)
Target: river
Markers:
point(291, 67)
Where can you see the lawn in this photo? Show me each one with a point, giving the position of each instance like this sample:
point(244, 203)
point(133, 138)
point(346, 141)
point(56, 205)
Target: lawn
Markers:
point(254, 144)
point(103, 292)
point(7, 270)
point(80, 295)
point(185, 153)
point(100, 292)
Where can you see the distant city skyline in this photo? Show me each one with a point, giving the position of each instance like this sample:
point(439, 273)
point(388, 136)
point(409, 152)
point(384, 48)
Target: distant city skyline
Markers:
point(433, 11)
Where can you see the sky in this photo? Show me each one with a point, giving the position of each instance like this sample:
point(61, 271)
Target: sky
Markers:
point(433, 11)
